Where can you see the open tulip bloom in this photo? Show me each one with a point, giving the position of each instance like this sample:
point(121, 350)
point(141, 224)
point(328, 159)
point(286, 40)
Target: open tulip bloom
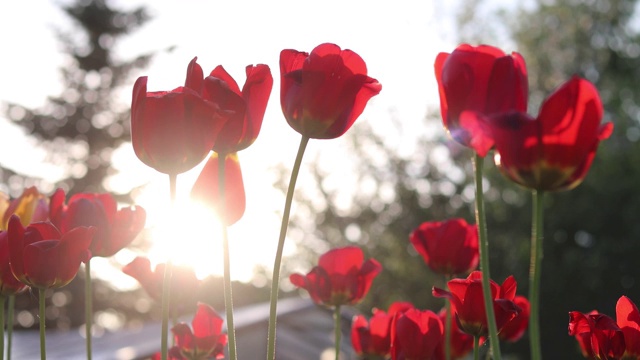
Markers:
point(203, 340)
point(552, 152)
point(600, 337)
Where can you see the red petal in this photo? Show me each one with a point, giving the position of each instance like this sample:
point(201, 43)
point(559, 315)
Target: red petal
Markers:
point(194, 76)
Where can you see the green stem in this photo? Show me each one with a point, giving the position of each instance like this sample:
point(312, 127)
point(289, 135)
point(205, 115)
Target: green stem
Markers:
point(228, 293)
point(484, 259)
point(166, 281)
point(535, 270)
point(2, 321)
point(12, 307)
point(275, 280)
point(338, 330)
point(43, 351)
point(88, 307)
point(476, 348)
point(448, 323)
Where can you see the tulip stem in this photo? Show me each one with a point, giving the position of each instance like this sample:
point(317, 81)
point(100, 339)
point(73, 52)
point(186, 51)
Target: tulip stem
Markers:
point(12, 307)
point(447, 323)
point(41, 313)
point(476, 348)
point(88, 306)
point(535, 270)
point(484, 258)
point(228, 294)
point(338, 330)
point(166, 280)
point(275, 279)
point(2, 321)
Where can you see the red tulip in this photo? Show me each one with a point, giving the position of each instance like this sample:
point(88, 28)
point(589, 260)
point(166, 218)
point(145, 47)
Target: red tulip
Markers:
point(206, 341)
point(30, 206)
point(342, 277)
point(41, 257)
point(373, 337)
point(9, 285)
point(323, 93)
point(461, 343)
point(468, 302)
point(552, 152)
point(628, 319)
point(173, 131)
point(206, 189)
point(448, 247)
point(597, 334)
point(244, 109)
point(115, 229)
point(481, 81)
point(184, 283)
point(415, 335)
point(515, 328)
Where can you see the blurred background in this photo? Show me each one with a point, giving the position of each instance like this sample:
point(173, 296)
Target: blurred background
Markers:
point(65, 91)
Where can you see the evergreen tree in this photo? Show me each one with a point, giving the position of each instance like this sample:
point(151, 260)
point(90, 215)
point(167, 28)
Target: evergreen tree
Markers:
point(80, 127)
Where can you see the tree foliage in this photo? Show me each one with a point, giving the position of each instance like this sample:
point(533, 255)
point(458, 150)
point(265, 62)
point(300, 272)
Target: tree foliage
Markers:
point(81, 127)
point(591, 233)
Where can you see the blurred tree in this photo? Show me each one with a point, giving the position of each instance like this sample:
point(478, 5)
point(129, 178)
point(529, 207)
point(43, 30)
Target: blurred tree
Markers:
point(81, 127)
point(592, 232)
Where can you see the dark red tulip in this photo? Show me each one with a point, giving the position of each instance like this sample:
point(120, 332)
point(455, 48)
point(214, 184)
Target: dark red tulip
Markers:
point(373, 337)
point(115, 229)
point(480, 81)
point(323, 93)
point(173, 131)
point(42, 257)
point(597, 334)
point(206, 341)
point(415, 335)
point(9, 285)
point(468, 302)
point(552, 152)
point(342, 277)
point(515, 328)
point(244, 109)
point(628, 319)
point(448, 247)
point(206, 188)
point(461, 343)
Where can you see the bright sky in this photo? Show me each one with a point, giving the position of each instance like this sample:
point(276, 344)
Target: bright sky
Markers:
point(398, 42)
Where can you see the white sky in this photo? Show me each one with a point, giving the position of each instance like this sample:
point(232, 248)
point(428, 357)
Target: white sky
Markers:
point(398, 42)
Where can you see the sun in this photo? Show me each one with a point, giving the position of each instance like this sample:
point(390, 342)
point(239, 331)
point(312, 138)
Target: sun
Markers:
point(190, 234)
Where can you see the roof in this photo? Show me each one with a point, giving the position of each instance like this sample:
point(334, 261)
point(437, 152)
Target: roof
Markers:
point(304, 331)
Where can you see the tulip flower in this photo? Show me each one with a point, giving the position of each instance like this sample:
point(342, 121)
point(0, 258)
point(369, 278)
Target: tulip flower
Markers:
point(554, 151)
point(323, 93)
point(628, 319)
point(373, 337)
point(514, 329)
point(244, 109)
point(173, 131)
point(9, 285)
point(342, 277)
point(206, 341)
point(468, 304)
point(448, 247)
point(42, 257)
point(184, 283)
point(461, 343)
point(115, 229)
point(415, 335)
point(597, 334)
point(206, 188)
point(30, 206)
point(479, 81)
